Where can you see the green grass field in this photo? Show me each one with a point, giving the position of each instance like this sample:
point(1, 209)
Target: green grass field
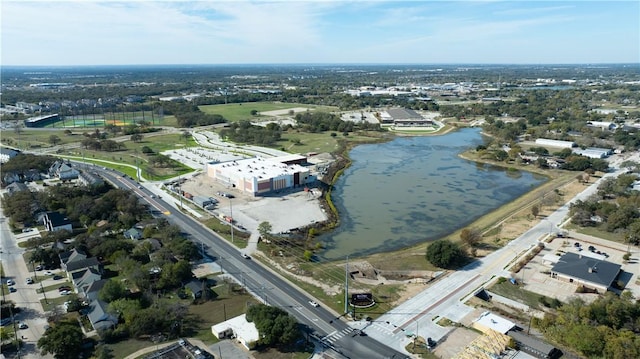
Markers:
point(242, 111)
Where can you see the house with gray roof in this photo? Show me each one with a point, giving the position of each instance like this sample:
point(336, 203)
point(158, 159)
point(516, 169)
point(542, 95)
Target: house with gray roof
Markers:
point(585, 270)
point(56, 221)
point(87, 263)
point(99, 317)
point(63, 171)
point(6, 154)
point(91, 291)
point(84, 277)
point(16, 187)
point(90, 179)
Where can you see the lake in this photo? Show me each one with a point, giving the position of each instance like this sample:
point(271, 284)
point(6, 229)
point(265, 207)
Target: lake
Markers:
point(415, 189)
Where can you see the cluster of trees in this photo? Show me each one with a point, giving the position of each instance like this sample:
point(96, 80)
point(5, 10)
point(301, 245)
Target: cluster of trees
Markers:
point(614, 208)
point(444, 253)
point(245, 132)
point(189, 115)
point(102, 145)
point(323, 121)
point(24, 162)
point(607, 328)
point(275, 326)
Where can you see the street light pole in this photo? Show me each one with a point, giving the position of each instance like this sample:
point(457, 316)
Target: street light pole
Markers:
point(231, 221)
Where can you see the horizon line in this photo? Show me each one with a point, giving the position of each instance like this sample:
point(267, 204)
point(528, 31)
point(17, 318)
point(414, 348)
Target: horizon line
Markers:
point(335, 64)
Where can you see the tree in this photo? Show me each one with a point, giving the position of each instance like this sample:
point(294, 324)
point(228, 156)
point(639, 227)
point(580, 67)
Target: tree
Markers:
point(54, 140)
point(444, 254)
point(470, 236)
point(275, 326)
point(64, 340)
point(6, 334)
point(112, 290)
point(535, 210)
point(265, 229)
point(137, 137)
point(254, 112)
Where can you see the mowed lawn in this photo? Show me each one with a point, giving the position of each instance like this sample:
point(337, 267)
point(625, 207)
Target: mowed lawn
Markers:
point(242, 111)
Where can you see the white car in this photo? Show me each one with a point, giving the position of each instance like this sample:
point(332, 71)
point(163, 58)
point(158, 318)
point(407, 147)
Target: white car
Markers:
point(10, 282)
point(65, 292)
point(23, 325)
point(245, 256)
point(48, 272)
point(29, 281)
point(314, 304)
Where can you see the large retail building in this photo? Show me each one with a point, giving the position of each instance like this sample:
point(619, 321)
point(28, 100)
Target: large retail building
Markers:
point(258, 176)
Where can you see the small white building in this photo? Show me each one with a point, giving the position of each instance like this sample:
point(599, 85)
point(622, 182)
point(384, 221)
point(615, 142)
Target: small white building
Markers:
point(239, 328)
point(489, 321)
point(555, 143)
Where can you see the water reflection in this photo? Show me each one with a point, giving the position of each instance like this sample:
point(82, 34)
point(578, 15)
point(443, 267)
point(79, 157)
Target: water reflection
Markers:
point(415, 189)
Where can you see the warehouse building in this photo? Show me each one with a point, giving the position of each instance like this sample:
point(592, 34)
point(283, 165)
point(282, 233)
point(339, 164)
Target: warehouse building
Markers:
point(555, 143)
point(259, 176)
point(593, 152)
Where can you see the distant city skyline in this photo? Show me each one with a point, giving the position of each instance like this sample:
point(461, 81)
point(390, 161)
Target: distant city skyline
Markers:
point(65, 33)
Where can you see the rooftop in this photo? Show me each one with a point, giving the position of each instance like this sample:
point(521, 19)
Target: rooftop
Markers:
point(587, 268)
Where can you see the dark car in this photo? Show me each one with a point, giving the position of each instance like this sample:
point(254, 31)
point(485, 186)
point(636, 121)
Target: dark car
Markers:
point(592, 249)
point(63, 288)
point(56, 277)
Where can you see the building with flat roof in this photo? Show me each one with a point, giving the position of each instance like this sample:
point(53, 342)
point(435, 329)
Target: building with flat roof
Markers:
point(555, 143)
point(259, 176)
point(488, 321)
point(585, 270)
point(244, 331)
point(41, 121)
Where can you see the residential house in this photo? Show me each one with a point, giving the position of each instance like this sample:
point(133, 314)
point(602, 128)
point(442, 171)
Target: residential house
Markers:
point(99, 317)
point(90, 291)
point(63, 171)
point(87, 263)
point(85, 277)
point(32, 175)
point(71, 256)
point(56, 221)
point(6, 154)
point(89, 179)
point(133, 233)
point(196, 287)
point(16, 187)
point(10, 177)
point(586, 270)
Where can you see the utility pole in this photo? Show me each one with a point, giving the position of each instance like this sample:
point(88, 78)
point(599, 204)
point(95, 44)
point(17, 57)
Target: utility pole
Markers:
point(346, 287)
point(231, 221)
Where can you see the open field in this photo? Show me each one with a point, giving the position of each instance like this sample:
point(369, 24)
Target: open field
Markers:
point(242, 111)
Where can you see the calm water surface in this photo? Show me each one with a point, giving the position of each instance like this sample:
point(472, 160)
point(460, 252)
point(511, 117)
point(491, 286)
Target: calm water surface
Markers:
point(415, 189)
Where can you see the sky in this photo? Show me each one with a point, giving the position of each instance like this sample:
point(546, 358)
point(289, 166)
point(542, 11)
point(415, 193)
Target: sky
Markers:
point(67, 33)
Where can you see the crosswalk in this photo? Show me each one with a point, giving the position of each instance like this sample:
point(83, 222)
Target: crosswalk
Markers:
point(373, 328)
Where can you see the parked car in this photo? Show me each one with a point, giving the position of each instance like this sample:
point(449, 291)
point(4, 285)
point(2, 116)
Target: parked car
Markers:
point(29, 280)
point(12, 290)
point(39, 267)
point(56, 277)
point(23, 325)
point(592, 249)
point(65, 292)
point(48, 272)
point(10, 282)
point(63, 288)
